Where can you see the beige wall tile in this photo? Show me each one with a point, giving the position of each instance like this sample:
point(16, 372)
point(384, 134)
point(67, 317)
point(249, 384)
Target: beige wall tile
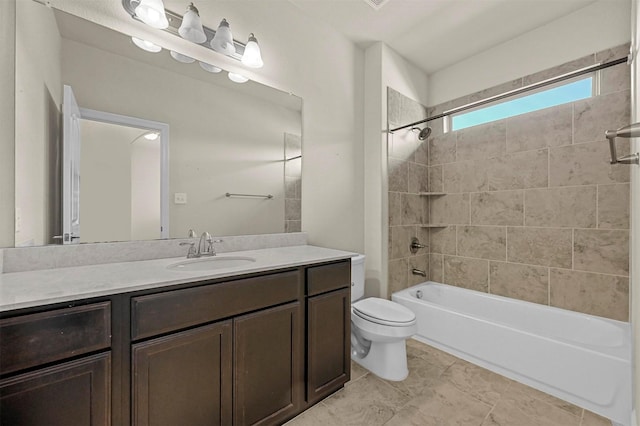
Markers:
point(423, 237)
point(292, 209)
point(485, 242)
point(443, 240)
point(599, 250)
point(559, 70)
point(435, 179)
point(292, 225)
point(399, 240)
point(519, 170)
point(418, 262)
point(467, 273)
point(523, 282)
point(559, 207)
point(292, 187)
point(402, 145)
point(492, 91)
point(451, 174)
point(436, 268)
point(422, 153)
point(539, 246)
point(497, 208)
point(613, 206)
point(540, 129)
point(483, 141)
point(394, 101)
point(617, 77)
point(395, 208)
point(450, 209)
point(398, 277)
point(586, 164)
point(442, 149)
point(418, 178)
point(473, 176)
point(591, 117)
point(412, 209)
point(594, 294)
point(411, 110)
point(398, 175)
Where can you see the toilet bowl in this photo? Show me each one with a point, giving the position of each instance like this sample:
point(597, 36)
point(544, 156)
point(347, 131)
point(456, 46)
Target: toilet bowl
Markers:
point(379, 329)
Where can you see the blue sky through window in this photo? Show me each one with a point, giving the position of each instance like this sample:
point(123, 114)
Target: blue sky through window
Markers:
point(577, 90)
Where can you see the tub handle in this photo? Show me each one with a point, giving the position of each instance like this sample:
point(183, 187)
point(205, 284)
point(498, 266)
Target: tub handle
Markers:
point(415, 245)
point(420, 272)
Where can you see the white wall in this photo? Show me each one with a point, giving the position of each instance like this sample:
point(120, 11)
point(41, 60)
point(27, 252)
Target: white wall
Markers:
point(634, 273)
point(599, 26)
point(313, 61)
point(7, 122)
point(383, 68)
point(145, 204)
point(38, 96)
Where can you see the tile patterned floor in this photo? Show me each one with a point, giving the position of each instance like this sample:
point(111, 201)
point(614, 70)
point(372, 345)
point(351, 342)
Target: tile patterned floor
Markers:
point(442, 390)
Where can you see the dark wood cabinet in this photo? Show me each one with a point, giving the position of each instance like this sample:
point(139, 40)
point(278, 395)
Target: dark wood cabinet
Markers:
point(75, 393)
point(184, 378)
point(268, 365)
point(253, 350)
point(328, 343)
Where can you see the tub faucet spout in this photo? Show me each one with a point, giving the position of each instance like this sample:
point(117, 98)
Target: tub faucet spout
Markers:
point(420, 272)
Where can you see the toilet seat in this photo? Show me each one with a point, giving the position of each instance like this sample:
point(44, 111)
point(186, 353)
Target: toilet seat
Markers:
point(384, 312)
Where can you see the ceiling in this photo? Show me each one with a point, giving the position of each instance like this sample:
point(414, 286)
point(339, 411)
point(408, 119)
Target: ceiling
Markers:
point(434, 34)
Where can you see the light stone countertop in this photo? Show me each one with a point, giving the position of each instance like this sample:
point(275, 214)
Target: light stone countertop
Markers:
point(35, 288)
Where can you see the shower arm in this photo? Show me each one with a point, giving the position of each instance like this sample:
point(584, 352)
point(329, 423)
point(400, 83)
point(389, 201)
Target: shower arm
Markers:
point(630, 131)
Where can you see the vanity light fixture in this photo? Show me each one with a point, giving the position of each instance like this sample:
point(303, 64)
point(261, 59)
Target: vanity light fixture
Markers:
point(223, 40)
point(146, 45)
point(191, 27)
point(151, 12)
point(182, 58)
point(252, 57)
point(210, 68)
point(237, 78)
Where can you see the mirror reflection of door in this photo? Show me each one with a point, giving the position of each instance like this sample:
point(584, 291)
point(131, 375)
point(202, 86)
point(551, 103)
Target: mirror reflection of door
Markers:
point(114, 177)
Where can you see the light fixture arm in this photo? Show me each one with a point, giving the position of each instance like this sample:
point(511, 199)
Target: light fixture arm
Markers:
point(175, 20)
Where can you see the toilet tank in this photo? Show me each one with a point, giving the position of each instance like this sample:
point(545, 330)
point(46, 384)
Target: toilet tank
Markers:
point(357, 277)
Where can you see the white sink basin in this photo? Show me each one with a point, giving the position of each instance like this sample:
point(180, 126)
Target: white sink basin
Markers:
point(211, 263)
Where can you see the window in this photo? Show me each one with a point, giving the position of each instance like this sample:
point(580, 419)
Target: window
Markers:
point(567, 92)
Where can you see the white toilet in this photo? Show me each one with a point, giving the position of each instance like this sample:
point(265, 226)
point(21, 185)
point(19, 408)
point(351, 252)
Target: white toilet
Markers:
point(379, 328)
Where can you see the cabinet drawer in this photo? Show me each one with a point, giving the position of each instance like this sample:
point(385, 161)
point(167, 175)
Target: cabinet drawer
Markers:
point(321, 279)
point(173, 310)
point(36, 339)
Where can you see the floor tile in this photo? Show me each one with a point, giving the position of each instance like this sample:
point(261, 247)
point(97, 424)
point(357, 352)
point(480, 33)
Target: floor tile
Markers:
point(478, 382)
point(318, 415)
point(442, 405)
point(368, 401)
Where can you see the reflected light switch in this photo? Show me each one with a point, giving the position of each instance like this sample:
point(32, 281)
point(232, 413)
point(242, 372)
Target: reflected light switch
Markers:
point(180, 198)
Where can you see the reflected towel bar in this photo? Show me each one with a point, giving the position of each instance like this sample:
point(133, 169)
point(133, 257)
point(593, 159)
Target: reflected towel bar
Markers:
point(229, 195)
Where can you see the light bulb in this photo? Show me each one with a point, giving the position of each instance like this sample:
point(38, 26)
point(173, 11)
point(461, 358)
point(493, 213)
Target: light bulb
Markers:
point(151, 12)
point(151, 136)
point(191, 28)
point(223, 40)
point(237, 78)
point(209, 67)
point(252, 57)
point(181, 58)
point(146, 45)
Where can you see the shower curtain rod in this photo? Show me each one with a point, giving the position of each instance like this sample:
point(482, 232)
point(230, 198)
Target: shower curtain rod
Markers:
point(514, 92)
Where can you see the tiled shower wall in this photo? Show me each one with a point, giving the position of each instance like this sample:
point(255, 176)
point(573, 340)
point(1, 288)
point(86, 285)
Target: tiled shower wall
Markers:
point(292, 183)
point(532, 209)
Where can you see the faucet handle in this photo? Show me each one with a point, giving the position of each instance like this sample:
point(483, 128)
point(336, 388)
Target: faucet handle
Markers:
point(192, 233)
point(192, 249)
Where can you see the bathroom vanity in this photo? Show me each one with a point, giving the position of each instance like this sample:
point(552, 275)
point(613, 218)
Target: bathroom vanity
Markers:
point(254, 346)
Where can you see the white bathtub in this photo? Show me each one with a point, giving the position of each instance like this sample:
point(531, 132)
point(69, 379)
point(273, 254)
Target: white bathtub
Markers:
point(580, 358)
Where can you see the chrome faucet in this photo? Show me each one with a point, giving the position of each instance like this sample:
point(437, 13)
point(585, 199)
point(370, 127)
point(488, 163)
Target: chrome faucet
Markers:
point(205, 245)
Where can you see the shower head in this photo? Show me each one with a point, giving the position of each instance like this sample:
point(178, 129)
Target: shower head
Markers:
point(424, 133)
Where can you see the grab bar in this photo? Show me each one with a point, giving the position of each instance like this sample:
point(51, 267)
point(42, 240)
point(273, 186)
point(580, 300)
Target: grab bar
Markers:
point(630, 131)
point(229, 195)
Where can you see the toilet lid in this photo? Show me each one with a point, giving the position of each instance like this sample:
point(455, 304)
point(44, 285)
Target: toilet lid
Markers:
point(377, 310)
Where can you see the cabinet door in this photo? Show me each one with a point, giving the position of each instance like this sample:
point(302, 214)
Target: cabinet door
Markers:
point(69, 394)
point(268, 365)
point(184, 378)
point(329, 343)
